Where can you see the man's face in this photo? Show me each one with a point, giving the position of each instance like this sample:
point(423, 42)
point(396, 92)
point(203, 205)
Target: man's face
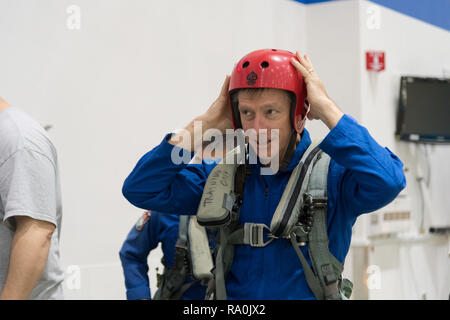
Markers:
point(268, 110)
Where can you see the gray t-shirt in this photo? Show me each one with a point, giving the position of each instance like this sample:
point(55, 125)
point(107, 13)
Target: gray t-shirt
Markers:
point(29, 186)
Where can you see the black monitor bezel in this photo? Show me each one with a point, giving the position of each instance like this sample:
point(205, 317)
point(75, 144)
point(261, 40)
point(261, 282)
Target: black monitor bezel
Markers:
point(400, 121)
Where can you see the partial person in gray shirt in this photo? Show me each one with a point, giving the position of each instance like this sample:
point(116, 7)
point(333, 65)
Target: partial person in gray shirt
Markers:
point(30, 209)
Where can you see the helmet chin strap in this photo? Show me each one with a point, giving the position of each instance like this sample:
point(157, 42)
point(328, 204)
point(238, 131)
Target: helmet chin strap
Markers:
point(289, 151)
point(301, 126)
point(292, 144)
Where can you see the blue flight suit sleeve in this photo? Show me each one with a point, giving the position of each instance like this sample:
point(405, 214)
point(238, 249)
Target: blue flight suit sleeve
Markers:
point(157, 183)
point(134, 254)
point(370, 176)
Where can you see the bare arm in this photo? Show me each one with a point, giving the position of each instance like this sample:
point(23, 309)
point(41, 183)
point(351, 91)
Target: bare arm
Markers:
point(29, 252)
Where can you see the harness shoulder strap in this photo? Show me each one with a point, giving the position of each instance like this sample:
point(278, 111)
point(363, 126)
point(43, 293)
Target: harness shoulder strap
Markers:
point(326, 280)
point(326, 267)
point(225, 253)
point(311, 227)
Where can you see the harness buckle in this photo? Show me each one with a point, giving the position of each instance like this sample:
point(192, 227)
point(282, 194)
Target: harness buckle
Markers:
point(254, 234)
point(320, 202)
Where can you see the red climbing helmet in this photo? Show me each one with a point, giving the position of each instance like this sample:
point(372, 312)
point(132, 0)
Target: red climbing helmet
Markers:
point(269, 68)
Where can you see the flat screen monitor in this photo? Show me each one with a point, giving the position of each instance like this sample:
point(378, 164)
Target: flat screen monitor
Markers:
point(424, 110)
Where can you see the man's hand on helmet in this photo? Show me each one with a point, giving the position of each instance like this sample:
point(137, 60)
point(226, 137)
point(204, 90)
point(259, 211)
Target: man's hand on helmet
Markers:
point(218, 115)
point(321, 106)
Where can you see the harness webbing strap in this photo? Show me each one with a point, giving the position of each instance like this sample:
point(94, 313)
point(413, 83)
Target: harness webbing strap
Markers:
point(237, 237)
point(311, 279)
point(321, 257)
point(183, 229)
point(222, 264)
point(319, 253)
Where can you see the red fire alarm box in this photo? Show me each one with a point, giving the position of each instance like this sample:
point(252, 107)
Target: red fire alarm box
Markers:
point(375, 60)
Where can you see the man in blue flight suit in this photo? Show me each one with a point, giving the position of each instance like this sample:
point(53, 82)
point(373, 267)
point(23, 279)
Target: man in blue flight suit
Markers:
point(362, 175)
point(150, 230)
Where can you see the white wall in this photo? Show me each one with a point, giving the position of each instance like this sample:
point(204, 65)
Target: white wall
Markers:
point(417, 265)
point(411, 265)
point(138, 69)
point(332, 44)
point(112, 89)
point(414, 264)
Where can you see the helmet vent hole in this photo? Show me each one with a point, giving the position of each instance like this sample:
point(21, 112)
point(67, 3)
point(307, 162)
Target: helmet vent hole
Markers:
point(264, 64)
point(274, 49)
point(245, 65)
